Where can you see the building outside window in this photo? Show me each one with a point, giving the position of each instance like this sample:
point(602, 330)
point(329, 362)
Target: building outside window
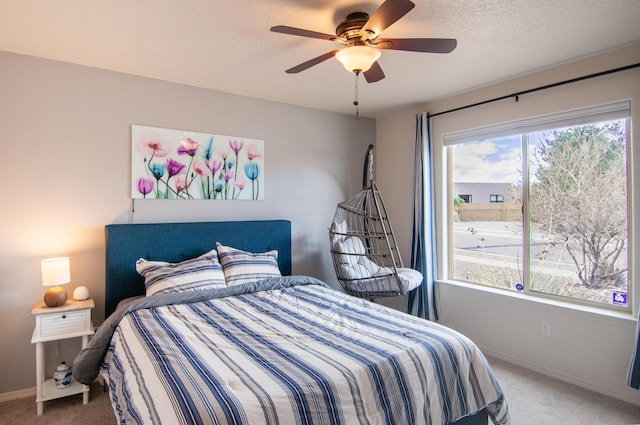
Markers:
point(561, 230)
point(465, 198)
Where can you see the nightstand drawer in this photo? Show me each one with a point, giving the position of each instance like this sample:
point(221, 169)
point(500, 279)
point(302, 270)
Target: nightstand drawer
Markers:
point(63, 323)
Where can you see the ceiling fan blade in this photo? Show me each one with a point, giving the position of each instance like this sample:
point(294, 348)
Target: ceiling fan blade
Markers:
point(302, 33)
point(308, 64)
point(427, 45)
point(388, 13)
point(374, 73)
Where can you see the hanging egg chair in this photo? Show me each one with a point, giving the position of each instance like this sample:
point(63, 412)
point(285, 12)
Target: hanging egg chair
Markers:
point(363, 247)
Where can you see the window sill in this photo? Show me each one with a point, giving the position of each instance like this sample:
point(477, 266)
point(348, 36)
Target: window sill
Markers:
point(588, 312)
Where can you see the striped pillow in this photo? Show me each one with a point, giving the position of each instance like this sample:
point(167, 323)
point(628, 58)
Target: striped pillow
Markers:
point(242, 266)
point(199, 273)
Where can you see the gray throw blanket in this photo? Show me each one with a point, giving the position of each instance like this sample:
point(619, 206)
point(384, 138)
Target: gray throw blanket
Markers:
point(86, 365)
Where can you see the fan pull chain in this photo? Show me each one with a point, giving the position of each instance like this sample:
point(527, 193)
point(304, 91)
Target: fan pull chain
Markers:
point(355, 102)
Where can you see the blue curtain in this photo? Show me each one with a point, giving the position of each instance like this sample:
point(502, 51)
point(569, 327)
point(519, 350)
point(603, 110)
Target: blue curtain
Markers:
point(421, 301)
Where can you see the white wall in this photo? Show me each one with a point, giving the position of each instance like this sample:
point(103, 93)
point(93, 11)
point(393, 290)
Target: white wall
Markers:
point(65, 157)
point(586, 347)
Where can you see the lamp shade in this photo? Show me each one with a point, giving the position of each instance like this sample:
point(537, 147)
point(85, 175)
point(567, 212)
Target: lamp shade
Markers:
point(358, 58)
point(55, 271)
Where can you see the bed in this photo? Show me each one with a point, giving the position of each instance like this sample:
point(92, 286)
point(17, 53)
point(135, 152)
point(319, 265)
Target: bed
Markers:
point(266, 347)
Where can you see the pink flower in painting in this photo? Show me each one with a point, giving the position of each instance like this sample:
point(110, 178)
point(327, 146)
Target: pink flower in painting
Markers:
point(253, 152)
point(189, 147)
point(174, 167)
point(145, 186)
point(236, 145)
point(201, 168)
point(214, 165)
point(153, 145)
point(224, 153)
point(240, 182)
point(181, 184)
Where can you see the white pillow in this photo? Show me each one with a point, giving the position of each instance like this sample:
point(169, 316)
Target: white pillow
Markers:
point(338, 232)
point(242, 266)
point(161, 277)
point(352, 249)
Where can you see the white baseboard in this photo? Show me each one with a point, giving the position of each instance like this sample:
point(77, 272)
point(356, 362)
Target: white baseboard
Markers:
point(12, 395)
point(563, 377)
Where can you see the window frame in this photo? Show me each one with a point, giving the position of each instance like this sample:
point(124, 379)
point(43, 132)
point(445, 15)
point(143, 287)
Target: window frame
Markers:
point(523, 127)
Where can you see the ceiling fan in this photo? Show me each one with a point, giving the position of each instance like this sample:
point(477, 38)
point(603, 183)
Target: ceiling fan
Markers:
point(360, 33)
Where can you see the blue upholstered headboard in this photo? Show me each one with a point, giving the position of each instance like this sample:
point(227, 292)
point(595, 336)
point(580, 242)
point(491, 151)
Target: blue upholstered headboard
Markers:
point(173, 242)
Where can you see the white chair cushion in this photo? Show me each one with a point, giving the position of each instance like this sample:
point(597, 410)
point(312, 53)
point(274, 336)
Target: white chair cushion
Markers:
point(352, 248)
point(338, 232)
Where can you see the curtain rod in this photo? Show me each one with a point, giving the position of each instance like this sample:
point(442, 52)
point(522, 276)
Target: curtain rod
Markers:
point(548, 86)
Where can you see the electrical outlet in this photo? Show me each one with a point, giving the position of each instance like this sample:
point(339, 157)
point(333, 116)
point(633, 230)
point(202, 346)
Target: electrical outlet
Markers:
point(545, 328)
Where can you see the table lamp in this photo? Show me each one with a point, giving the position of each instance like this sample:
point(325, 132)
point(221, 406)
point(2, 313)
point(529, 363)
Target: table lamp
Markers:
point(55, 272)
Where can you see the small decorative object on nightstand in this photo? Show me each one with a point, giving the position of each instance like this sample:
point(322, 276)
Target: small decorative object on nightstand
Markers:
point(62, 375)
point(81, 293)
point(71, 320)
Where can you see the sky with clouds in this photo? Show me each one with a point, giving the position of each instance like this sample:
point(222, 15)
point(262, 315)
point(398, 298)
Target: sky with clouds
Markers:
point(499, 160)
point(489, 161)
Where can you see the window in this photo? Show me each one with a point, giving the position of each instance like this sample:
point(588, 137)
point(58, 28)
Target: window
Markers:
point(563, 230)
point(465, 198)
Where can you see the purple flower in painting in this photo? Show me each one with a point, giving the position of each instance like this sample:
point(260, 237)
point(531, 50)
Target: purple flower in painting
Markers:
point(228, 175)
point(189, 147)
point(174, 167)
point(145, 186)
point(236, 145)
point(214, 165)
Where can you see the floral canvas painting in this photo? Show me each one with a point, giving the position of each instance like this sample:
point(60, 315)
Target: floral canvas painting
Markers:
point(177, 164)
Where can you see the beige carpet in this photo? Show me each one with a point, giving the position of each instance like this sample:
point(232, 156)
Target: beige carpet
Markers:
point(534, 399)
point(63, 411)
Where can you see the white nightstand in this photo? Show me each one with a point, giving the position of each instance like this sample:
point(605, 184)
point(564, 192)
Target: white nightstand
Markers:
point(71, 320)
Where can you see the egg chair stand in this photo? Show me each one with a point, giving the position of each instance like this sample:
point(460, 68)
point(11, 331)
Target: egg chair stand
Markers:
point(364, 248)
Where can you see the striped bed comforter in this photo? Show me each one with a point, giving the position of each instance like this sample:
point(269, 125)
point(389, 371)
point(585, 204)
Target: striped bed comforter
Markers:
point(293, 351)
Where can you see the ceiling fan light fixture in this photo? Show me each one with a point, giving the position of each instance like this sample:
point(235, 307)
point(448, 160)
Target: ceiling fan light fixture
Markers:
point(358, 58)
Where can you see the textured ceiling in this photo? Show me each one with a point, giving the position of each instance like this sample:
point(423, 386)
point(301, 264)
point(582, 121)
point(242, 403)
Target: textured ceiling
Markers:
point(226, 44)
